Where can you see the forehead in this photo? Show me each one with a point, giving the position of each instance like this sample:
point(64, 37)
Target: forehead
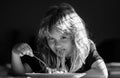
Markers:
point(56, 33)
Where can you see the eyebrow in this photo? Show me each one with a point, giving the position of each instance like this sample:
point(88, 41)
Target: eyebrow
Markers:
point(64, 34)
point(49, 37)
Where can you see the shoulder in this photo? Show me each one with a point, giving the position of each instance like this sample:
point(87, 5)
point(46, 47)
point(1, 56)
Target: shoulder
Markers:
point(93, 54)
point(32, 62)
point(93, 50)
point(28, 59)
point(92, 45)
point(92, 57)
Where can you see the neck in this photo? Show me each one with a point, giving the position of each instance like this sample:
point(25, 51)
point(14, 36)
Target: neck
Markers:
point(70, 54)
point(62, 62)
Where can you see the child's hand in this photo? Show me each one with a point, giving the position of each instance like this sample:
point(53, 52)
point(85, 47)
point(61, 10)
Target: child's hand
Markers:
point(23, 49)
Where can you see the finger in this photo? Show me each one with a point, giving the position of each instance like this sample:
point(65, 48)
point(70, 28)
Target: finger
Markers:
point(31, 54)
point(21, 55)
point(27, 52)
point(24, 52)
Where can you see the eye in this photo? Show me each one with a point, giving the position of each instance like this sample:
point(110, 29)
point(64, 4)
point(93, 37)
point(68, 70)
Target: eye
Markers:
point(51, 39)
point(64, 37)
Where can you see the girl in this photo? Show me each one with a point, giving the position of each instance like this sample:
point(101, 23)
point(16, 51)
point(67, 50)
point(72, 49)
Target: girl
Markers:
point(63, 45)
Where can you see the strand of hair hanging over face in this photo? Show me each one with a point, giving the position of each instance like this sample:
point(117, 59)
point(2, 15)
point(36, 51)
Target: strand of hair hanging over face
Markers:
point(81, 43)
point(72, 23)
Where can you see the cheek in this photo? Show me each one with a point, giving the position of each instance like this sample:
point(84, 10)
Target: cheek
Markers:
point(69, 48)
point(51, 46)
point(68, 45)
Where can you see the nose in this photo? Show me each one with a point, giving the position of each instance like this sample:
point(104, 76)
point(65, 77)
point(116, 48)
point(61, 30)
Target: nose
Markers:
point(57, 44)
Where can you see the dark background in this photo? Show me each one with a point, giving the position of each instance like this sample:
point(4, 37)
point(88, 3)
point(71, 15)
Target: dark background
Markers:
point(20, 20)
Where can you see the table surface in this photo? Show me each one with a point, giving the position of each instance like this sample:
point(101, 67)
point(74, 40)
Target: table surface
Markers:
point(118, 76)
point(59, 76)
point(94, 76)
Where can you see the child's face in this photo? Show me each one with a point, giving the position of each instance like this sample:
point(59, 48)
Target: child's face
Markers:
point(60, 43)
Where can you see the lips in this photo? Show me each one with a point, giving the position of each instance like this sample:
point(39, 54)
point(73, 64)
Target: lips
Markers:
point(60, 52)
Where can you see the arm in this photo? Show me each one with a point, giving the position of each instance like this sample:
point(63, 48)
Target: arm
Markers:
point(17, 66)
point(98, 68)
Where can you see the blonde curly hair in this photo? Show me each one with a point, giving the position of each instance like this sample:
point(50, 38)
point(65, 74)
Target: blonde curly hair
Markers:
point(65, 18)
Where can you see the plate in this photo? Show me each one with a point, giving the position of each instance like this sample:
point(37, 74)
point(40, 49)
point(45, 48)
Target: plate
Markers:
point(55, 75)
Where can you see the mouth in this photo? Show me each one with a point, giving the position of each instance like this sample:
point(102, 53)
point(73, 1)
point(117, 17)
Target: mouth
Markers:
point(60, 52)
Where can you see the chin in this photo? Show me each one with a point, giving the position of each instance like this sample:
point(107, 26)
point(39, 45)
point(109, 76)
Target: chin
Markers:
point(61, 55)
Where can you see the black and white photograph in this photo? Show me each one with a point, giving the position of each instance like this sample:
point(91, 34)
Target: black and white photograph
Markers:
point(60, 39)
